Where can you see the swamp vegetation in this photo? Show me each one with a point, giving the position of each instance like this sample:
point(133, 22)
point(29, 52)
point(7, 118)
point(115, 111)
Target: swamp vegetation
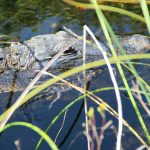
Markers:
point(104, 114)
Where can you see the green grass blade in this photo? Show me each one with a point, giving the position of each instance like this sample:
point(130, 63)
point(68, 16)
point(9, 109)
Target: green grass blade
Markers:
point(80, 98)
point(73, 71)
point(105, 25)
point(146, 13)
point(34, 128)
point(57, 117)
point(107, 8)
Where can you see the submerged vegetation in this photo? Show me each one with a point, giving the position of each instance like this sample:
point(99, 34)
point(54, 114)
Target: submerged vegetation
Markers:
point(138, 90)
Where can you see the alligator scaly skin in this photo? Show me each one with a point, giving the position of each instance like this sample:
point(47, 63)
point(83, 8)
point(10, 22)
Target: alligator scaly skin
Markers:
point(18, 81)
point(35, 53)
point(32, 55)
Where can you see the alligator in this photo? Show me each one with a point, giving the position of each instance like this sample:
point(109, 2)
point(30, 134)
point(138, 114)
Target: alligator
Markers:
point(19, 62)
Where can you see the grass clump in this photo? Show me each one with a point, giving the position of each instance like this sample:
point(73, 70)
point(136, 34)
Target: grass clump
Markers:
point(102, 105)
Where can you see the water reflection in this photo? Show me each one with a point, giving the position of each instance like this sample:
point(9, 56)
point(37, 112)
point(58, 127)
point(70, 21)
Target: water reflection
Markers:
point(39, 17)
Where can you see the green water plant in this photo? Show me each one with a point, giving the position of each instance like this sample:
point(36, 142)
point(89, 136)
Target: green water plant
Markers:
point(118, 60)
point(34, 128)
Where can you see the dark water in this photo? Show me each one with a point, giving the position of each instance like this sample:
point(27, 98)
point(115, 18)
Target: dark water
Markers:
point(24, 19)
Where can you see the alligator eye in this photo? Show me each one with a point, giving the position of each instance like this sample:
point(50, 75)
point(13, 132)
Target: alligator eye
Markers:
point(70, 50)
point(17, 54)
point(1, 58)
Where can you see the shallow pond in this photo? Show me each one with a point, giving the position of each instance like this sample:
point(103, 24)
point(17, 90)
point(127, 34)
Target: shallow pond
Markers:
point(25, 19)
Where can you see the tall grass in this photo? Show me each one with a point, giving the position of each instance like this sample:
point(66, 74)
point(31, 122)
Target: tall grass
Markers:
point(118, 60)
point(107, 30)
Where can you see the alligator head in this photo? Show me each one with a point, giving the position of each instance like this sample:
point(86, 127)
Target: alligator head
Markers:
point(37, 51)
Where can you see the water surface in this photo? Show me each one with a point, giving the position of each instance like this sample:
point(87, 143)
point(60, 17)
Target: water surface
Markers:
point(25, 19)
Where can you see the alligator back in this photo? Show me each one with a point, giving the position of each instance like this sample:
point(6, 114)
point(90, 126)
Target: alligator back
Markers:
point(36, 52)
